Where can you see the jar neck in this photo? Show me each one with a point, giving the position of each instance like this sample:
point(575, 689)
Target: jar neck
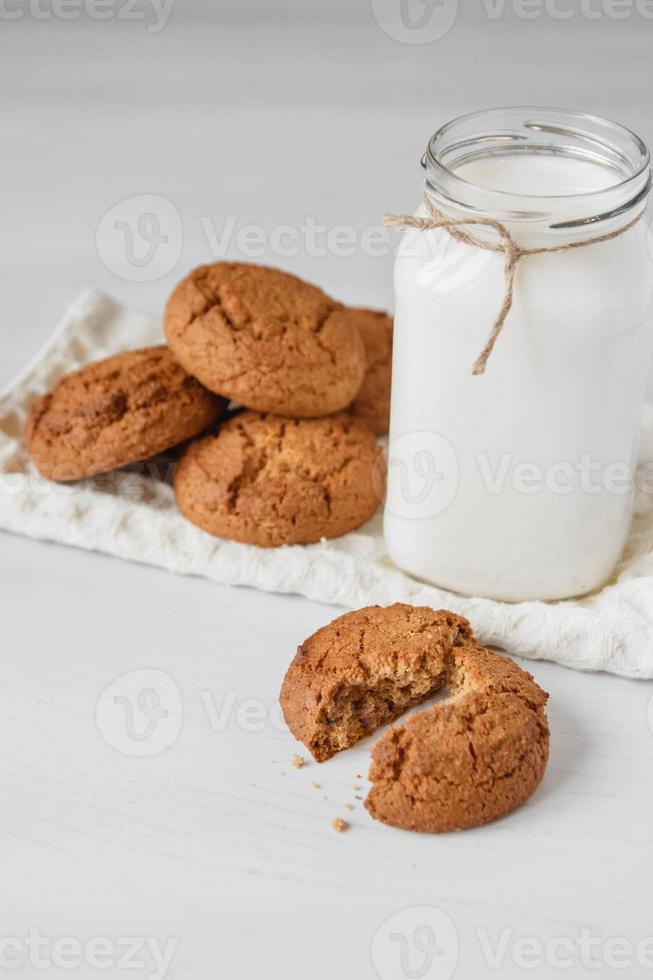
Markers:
point(531, 149)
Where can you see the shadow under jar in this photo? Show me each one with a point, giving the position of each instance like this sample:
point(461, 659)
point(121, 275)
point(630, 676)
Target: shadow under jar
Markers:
point(518, 483)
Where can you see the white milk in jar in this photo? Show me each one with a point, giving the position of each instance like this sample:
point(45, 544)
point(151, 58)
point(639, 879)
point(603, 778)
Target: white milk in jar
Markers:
point(518, 483)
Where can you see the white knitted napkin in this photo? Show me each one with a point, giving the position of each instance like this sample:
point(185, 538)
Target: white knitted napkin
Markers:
point(133, 516)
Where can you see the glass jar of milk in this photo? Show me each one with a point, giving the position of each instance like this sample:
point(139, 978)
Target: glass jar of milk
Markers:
point(518, 483)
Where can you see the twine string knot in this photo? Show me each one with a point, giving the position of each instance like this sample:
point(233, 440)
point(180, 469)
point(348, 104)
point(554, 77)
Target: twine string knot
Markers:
point(458, 228)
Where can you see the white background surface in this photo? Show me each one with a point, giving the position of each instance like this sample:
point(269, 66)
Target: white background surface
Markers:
point(269, 114)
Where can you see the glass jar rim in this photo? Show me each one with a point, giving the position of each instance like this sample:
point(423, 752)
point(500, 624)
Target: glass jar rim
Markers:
point(570, 133)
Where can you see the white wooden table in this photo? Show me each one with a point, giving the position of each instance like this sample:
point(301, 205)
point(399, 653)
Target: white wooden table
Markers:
point(216, 850)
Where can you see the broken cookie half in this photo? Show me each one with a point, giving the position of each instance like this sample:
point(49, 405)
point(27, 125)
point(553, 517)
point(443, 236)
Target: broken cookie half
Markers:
point(463, 762)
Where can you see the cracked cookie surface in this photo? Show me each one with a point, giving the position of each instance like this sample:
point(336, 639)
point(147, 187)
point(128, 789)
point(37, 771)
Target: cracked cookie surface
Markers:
point(265, 339)
point(372, 403)
point(117, 411)
point(269, 481)
point(466, 760)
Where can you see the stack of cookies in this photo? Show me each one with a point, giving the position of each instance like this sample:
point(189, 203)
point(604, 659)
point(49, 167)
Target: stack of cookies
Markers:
point(280, 389)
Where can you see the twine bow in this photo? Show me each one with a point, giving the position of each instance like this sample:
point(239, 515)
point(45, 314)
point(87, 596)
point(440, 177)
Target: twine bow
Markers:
point(507, 245)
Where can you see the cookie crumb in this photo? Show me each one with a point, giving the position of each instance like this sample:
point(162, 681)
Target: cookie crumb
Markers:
point(349, 806)
point(317, 786)
point(358, 776)
point(356, 797)
point(298, 761)
point(356, 787)
point(339, 825)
